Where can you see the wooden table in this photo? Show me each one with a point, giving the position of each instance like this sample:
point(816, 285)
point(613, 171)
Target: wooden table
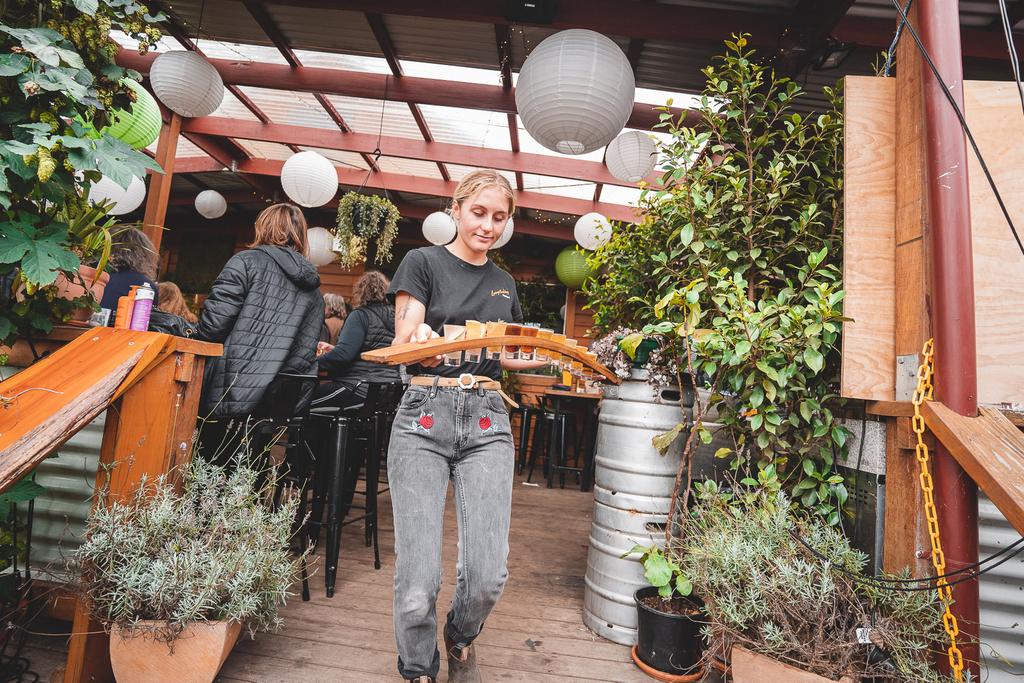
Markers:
point(589, 413)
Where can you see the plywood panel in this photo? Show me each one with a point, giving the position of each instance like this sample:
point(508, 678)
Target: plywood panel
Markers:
point(994, 115)
point(868, 366)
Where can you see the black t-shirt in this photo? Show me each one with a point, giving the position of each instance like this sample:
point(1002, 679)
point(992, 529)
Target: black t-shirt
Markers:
point(453, 292)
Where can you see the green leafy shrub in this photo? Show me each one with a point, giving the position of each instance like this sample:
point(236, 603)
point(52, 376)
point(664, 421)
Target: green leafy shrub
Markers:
point(214, 551)
point(365, 219)
point(58, 81)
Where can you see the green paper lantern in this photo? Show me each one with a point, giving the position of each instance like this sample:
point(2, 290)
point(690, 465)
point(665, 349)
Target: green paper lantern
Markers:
point(571, 267)
point(140, 126)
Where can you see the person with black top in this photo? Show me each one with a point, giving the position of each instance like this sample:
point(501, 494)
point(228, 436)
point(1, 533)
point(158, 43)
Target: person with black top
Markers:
point(452, 425)
point(266, 309)
point(371, 325)
point(133, 262)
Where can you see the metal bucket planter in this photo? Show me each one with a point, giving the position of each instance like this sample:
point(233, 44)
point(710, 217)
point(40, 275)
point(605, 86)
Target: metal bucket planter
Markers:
point(632, 491)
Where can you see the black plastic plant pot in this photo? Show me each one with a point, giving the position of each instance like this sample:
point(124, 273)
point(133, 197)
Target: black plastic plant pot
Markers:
point(670, 643)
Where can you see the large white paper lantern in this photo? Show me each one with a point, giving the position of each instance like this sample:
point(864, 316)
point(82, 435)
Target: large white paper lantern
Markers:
point(631, 156)
point(439, 228)
point(575, 91)
point(186, 83)
point(592, 231)
point(321, 242)
point(506, 235)
point(211, 204)
point(125, 200)
point(309, 179)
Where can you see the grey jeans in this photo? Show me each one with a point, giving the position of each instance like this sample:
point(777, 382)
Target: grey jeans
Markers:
point(461, 435)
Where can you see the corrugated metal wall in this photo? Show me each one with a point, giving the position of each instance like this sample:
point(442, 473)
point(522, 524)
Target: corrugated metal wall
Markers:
point(1002, 600)
point(69, 479)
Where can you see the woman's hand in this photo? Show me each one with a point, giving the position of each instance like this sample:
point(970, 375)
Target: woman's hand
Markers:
point(421, 335)
point(322, 348)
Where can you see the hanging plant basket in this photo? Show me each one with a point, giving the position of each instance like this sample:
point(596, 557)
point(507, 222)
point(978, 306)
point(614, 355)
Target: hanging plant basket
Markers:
point(365, 219)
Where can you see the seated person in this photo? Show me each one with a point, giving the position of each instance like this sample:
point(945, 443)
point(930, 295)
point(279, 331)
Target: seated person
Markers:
point(370, 325)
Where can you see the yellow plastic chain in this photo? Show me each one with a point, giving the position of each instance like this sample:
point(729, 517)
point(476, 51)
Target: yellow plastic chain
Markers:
point(925, 390)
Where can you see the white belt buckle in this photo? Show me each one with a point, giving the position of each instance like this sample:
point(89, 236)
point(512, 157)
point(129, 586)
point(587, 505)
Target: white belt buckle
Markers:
point(466, 377)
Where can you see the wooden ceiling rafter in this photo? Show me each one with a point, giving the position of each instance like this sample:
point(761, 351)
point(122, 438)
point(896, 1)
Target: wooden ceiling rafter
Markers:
point(270, 28)
point(411, 148)
point(387, 47)
point(372, 86)
point(503, 39)
point(400, 182)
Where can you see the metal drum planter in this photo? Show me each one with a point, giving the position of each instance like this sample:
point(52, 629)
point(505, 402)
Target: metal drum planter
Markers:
point(632, 490)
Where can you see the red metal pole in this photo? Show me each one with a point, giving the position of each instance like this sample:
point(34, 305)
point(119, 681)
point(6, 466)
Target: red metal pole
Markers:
point(952, 307)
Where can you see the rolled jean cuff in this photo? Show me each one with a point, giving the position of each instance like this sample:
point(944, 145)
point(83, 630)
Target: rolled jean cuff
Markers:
point(460, 639)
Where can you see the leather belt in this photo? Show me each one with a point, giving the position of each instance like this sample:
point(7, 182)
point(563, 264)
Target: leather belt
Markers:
point(464, 381)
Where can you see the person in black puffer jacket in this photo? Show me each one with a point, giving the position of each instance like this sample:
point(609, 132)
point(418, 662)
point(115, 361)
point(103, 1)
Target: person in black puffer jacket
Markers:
point(267, 310)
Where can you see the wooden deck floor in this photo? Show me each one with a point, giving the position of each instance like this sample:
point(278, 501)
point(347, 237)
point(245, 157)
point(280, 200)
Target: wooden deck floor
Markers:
point(535, 634)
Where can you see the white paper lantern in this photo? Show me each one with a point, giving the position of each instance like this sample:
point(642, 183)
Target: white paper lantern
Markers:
point(321, 242)
point(439, 228)
point(506, 235)
point(575, 91)
point(631, 156)
point(592, 231)
point(309, 179)
point(125, 201)
point(211, 204)
point(186, 83)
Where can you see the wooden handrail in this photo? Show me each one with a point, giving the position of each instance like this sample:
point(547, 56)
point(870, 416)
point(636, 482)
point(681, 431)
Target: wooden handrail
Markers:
point(44, 405)
point(413, 352)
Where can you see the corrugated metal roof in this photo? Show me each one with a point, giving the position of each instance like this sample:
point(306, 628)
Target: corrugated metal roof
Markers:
point(265, 150)
point(413, 167)
point(345, 159)
point(293, 108)
point(467, 43)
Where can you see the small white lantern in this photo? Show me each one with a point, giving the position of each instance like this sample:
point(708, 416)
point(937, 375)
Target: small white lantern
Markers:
point(211, 204)
point(309, 179)
point(631, 156)
point(575, 91)
point(186, 83)
point(592, 231)
point(439, 228)
point(125, 200)
point(506, 235)
point(321, 242)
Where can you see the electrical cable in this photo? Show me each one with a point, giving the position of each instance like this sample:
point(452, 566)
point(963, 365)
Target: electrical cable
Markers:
point(963, 121)
point(1004, 15)
point(887, 584)
point(895, 40)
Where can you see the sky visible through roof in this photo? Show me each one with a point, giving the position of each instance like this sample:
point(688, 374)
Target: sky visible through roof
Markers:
point(455, 125)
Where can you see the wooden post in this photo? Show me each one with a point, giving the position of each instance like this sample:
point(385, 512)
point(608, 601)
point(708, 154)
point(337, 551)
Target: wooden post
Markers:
point(148, 432)
point(906, 537)
point(160, 184)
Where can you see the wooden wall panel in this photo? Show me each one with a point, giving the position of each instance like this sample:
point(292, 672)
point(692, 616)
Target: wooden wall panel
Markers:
point(993, 113)
point(868, 366)
point(578, 320)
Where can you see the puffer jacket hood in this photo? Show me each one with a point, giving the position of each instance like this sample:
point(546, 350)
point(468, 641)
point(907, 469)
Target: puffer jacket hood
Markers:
point(299, 270)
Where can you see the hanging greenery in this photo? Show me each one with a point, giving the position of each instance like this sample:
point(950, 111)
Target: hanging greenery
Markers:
point(365, 219)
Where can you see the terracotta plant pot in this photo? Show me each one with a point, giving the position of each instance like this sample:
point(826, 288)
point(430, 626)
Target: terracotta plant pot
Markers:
point(199, 652)
point(751, 667)
point(72, 290)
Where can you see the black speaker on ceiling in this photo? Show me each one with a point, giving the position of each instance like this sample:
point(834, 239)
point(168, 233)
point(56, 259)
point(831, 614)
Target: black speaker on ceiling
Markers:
point(531, 11)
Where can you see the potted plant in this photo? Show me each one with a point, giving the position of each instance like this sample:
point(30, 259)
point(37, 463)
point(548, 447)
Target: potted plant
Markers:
point(365, 219)
point(58, 63)
point(669, 621)
point(789, 599)
point(175, 575)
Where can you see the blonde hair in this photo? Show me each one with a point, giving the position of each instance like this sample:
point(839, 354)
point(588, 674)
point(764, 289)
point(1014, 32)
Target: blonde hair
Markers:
point(281, 225)
point(171, 301)
point(335, 305)
point(372, 287)
point(477, 180)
